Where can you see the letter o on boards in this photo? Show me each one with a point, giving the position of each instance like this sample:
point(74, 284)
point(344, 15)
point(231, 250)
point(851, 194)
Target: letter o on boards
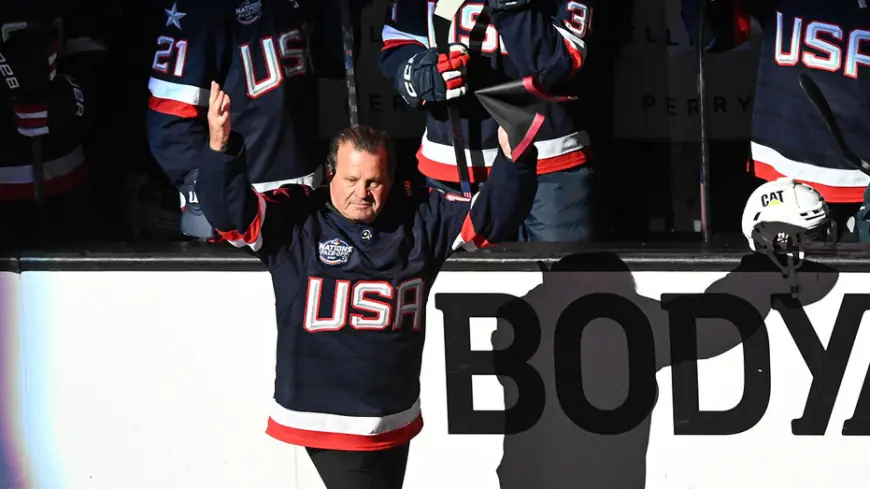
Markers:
point(568, 364)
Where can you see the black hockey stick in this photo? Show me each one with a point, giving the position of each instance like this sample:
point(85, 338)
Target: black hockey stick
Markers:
point(349, 72)
point(445, 11)
point(704, 174)
point(814, 93)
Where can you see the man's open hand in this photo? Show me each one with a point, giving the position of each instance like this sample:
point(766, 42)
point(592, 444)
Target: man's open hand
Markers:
point(218, 118)
point(504, 142)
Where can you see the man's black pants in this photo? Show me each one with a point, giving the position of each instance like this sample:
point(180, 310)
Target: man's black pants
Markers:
point(380, 469)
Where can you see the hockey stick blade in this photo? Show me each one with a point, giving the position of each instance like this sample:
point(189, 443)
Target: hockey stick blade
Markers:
point(445, 11)
point(814, 93)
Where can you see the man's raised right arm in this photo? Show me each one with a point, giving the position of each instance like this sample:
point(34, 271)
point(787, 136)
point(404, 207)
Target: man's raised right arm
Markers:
point(229, 202)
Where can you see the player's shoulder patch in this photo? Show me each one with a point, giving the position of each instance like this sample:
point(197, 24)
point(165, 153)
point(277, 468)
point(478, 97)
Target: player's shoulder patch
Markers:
point(334, 251)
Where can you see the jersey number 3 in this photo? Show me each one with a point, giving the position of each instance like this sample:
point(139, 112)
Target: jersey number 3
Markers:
point(368, 305)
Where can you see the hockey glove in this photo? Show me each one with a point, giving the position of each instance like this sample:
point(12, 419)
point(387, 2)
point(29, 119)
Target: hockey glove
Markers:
point(432, 77)
point(503, 5)
point(63, 109)
point(29, 56)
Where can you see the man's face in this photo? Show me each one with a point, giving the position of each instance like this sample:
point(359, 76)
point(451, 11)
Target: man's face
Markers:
point(361, 183)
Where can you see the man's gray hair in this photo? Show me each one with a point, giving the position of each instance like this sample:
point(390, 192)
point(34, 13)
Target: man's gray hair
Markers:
point(363, 138)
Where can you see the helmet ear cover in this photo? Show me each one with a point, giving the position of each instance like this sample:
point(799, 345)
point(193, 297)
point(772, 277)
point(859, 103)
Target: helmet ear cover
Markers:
point(785, 238)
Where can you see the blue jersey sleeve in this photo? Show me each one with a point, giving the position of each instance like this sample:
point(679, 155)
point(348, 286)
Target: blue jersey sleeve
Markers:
point(492, 215)
point(551, 48)
point(190, 43)
point(245, 218)
point(405, 33)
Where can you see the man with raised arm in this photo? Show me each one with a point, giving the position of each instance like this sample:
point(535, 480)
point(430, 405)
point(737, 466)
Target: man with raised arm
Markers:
point(352, 265)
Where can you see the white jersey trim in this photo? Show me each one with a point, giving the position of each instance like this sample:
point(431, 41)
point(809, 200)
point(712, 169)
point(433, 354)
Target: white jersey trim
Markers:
point(346, 425)
point(831, 177)
point(576, 41)
point(463, 241)
point(393, 34)
point(188, 94)
point(23, 174)
point(312, 180)
point(550, 148)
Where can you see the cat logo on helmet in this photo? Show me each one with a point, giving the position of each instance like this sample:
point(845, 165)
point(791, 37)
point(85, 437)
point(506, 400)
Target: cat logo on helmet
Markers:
point(772, 198)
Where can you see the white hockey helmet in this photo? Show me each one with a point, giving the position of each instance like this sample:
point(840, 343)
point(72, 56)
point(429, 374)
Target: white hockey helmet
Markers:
point(782, 215)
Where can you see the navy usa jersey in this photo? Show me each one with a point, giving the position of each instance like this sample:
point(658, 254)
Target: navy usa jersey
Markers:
point(351, 298)
point(547, 41)
point(829, 40)
point(264, 54)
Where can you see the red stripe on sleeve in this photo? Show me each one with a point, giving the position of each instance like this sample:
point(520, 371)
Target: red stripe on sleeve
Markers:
point(29, 108)
point(395, 43)
point(251, 234)
point(469, 235)
point(176, 108)
point(32, 123)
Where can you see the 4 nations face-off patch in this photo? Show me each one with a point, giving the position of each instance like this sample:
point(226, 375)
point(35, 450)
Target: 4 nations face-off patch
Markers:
point(334, 252)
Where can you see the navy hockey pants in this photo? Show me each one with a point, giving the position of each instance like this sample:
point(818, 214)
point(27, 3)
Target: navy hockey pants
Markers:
point(564, 206)
point(380, 469)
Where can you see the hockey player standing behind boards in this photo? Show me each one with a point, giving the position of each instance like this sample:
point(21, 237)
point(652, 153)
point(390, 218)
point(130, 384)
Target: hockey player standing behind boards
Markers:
point(267, 54)
point(351, 267)
point(506, 40)
point(45, 117)
point(827, 39)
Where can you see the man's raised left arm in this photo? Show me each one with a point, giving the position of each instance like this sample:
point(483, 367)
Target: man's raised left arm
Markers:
point(495, 213)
